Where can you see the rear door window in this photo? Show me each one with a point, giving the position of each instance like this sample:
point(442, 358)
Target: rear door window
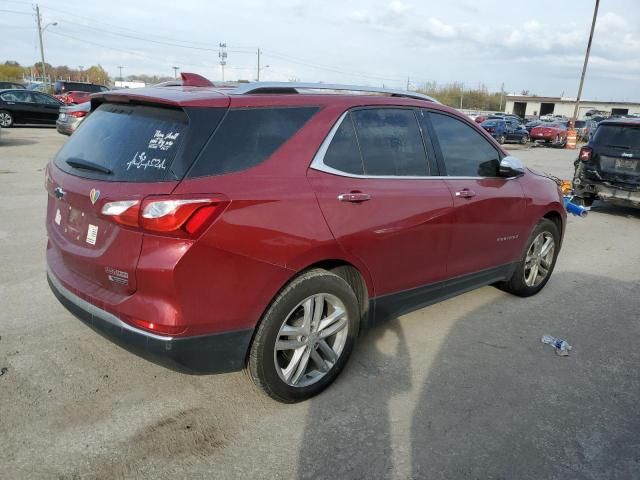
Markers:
point(465, 152)
point(247, 137)
point(390, 142)
point(134, 143)
point(343, 153)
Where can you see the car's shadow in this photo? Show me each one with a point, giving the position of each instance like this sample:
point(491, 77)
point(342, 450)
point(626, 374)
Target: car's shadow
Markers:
point(617, 210)
point(15, 142)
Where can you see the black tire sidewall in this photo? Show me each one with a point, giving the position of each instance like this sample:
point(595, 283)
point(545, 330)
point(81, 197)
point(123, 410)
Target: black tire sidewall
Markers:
point(517, 284)
point(261, 362)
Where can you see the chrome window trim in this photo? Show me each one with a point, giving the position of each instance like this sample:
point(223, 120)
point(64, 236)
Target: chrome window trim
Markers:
point(318, 163)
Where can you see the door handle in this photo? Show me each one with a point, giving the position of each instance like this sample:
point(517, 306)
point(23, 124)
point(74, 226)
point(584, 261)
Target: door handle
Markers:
point(465, 193)
point(354, 197)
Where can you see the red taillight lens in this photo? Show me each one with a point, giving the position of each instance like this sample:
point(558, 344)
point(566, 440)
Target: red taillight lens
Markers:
point(176, 216)
point(124, 212)
point(171, 215)
point(77, 114)
point(585, 154)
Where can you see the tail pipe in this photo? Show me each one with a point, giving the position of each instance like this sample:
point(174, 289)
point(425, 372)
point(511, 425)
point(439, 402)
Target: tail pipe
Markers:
point(572, 208)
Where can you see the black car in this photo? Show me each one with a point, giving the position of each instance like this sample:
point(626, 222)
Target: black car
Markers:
point(62, 86)
point(10, 85)
point(608, 167)
point(25, 106)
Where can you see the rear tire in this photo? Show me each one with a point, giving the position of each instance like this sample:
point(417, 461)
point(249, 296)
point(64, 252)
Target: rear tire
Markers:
point(6, 119)
point(525, 280)
point(305, 338)
point(524, 140)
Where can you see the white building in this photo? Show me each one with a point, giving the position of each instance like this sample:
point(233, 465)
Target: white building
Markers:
point(133, 84)
point(531, 106)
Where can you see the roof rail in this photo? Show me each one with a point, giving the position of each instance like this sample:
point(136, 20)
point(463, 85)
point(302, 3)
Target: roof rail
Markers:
point(294, 87)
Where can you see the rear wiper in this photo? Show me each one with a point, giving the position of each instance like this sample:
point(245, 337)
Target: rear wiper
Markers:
point(86, 165)
point(621, 147)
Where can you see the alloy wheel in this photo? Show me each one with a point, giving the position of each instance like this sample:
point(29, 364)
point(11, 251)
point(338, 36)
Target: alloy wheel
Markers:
point(539, 259)
point(311, 340)
point(5, 119)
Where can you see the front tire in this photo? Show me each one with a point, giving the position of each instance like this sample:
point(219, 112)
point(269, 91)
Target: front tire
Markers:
point(501, 139)
point(305, 338)
point(537, 263)
point(6, 119)
point(524, 140)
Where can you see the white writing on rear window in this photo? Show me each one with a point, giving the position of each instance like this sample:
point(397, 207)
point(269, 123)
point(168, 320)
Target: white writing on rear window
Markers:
point(162, 141)
point(140, 160)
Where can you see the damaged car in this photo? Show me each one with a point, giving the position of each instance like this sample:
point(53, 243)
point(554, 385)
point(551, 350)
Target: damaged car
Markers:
point(608, 167)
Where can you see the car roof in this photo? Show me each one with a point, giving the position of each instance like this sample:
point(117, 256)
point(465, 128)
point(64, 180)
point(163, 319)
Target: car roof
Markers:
point(634, 122)
point(267, 94)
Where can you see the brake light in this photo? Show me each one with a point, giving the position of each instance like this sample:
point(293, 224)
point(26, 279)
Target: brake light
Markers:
point(123, 212)
point(175, 216)
point(585, 154)
point(77, 114)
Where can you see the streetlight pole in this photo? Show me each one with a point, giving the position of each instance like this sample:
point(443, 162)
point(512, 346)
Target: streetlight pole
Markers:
point(175, 72)
point(120, 68)
point(40, 30)
point(586, 61)
point(258, 74)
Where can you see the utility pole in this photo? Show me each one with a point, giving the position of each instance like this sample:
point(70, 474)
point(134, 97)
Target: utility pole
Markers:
point(175, 72)
point(501, 95)
point(44, 69)
point(258, 75)
point(584, 67)
point(461, 94)
point(408, 83)
point(222, 54)
point(120, 67)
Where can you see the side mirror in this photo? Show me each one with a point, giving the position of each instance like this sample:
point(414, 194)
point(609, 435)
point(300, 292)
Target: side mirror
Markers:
point(511, 167)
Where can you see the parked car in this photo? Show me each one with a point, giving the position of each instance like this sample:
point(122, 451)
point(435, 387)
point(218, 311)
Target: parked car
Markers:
point(533, 123)
point(74, 98)
point(608, 167)
point(62, 86)
point(506, 131)
point(219, 229)
point(24, 106)
point(70, 117)
point(10, 85)
point(554, 133)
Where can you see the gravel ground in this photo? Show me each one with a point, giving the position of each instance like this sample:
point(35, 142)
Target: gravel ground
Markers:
point(462, 389)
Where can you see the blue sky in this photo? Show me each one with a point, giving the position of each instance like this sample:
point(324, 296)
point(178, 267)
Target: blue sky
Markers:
point(529, 45)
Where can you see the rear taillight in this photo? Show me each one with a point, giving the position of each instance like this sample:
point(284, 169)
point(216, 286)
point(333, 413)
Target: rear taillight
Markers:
point(77, 114)
point(176, 216)
point(585, 154)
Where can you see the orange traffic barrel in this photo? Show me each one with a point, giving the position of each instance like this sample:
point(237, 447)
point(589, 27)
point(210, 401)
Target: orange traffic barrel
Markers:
point(572, 137)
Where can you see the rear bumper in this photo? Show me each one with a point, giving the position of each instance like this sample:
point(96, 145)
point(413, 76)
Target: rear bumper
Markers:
point(216, 353)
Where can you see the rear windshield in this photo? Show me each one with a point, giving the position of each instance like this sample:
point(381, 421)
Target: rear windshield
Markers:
point(624, 137)
point(135, 143)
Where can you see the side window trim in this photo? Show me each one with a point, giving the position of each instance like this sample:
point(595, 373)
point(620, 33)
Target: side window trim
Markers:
point(436, 144)
point(318, 160)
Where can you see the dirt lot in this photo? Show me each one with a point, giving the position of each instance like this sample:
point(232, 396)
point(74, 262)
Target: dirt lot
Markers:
point(462, 389)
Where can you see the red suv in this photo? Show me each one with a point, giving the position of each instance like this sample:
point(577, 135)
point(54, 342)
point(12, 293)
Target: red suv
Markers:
point(262, 226)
